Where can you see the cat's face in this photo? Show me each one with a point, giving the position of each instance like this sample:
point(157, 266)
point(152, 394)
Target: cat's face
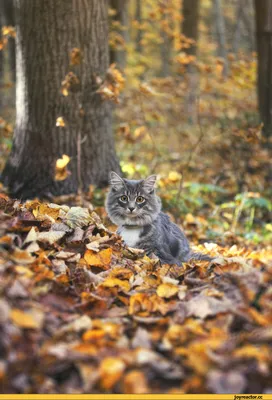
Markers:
point(131, 202)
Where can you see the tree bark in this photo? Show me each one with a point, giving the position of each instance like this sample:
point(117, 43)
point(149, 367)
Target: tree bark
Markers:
point(138, 17)
point(8, 19)
point(221, 34)
point(167, 42)
point(47, 31)
point(1, 66)
point(263, 13)
point(119, 56)
point(190, 13)
point(237, 30)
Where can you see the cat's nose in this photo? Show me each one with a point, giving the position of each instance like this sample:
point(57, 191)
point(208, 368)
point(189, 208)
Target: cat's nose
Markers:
point(131, 209)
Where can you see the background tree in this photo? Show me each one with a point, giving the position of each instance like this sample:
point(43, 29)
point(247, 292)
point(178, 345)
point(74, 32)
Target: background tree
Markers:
point(263, 13)
point(7, 64)
point(138, 18)
point(121, 33)
point(221, 34)
point(190, 29)
point(7, 18)
point(166, 38)
point(60, 41)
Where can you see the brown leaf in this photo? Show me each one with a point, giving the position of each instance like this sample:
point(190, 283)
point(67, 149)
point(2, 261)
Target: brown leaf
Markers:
point(22, 257)
point(135, 382)
point(202, 306)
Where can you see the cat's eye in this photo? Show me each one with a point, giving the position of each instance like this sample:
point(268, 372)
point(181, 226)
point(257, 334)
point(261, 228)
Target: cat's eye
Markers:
point(140, 199)
point(124, 198)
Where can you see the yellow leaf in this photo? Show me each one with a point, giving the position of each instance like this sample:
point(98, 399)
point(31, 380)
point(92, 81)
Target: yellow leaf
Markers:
point(24, 271)
point(65, 92)
point(167, 290)
point(112, 282)
point(174, 176)
point(101, 259)
point(60, 122)
point(62, 162)
point(32, 319)
point(111, 370)
point(261, 353)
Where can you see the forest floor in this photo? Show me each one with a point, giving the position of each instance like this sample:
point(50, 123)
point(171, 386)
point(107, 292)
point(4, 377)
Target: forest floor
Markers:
point(82, 313)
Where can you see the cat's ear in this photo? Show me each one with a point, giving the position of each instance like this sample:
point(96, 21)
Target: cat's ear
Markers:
point(149, 183)
point(116, 181)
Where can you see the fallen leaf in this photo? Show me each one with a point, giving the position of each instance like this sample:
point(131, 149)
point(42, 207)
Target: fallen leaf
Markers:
point(226, 382)
point(22, 257)
point(111, 370)
point(135, 382)
point(77, 217)
point(31, 319)
point(101, 259)
point(50, 237)
point(167, 290)
point(113, 282)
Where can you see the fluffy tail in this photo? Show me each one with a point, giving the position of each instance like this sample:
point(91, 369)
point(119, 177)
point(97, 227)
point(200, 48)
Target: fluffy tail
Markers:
point(199, 257)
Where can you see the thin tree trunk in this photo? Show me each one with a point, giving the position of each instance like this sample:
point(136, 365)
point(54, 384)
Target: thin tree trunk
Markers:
point(237, 31)
point(263, 12)
point(190, 13)
point(8, 19)
point(47, 31)
point(165, 47)
point(121, 8)
point(138, 17)
point(221, 34)
point(1, 68)
point(248, 20)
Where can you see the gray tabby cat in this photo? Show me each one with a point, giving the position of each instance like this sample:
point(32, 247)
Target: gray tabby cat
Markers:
point(134, 206)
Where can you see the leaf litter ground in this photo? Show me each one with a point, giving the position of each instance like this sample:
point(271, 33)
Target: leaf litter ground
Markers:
point(82, 313)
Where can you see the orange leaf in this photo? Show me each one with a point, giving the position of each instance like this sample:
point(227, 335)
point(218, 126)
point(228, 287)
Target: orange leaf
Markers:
point(101, 259)
point(135, 382)
point(111, 370)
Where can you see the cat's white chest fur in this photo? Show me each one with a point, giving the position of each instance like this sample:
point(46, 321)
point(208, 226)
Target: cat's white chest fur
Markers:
point(130, 235)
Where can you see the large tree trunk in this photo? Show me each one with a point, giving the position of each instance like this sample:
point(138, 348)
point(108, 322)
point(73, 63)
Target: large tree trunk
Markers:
point(190, 13)
point(47, 31)
point(119, 56)
point(263, 10)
